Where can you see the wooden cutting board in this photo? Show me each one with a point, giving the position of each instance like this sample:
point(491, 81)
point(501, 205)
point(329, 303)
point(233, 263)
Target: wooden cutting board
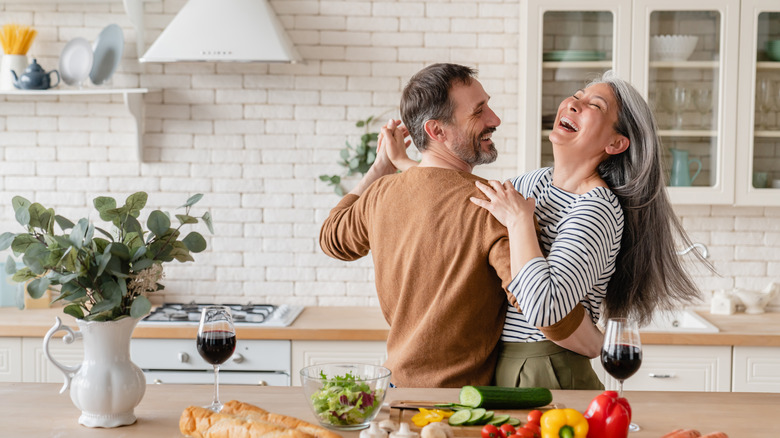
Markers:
point(401, 411)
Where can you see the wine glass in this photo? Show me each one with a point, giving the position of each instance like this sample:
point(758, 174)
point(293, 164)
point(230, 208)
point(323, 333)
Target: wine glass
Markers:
point(764, 102)
point(621, 354)
point(216, 343)
point(676, 99)
point(702, 100)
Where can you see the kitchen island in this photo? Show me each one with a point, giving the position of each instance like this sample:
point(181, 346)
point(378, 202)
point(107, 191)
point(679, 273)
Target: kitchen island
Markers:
point(34, 410)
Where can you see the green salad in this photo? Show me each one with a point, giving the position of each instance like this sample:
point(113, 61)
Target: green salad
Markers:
point(344, 401)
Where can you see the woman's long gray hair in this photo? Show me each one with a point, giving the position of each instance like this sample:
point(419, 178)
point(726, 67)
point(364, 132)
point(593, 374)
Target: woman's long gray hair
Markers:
point(649, 274)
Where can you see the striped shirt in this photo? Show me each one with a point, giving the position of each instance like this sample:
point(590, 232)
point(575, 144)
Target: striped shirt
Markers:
point(580, 237)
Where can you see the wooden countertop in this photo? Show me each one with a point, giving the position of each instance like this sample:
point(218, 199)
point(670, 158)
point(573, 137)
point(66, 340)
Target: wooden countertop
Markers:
point(36, 410)
point(368, 324)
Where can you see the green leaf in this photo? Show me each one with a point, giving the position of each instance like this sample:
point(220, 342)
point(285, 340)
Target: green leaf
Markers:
point(140, 252)
point(36, 210)
point(23, 275)
point(158, 223)
point(186, 219)
point(10, 266)
point(62, 278)
point(6, 239)
point(207, 220)
point(360, 123)
point(339, 190)
point(105, 233)
point(120, 250)
point(21, 206)
point(111, 298)
point(136, 202)
point(325, 177)
point(194, 242)
point(370, 157)
point(63, 222)
point(142, 264)
point(70, 261)
point(344, 154)
point(103, 259)
point(38, 287)
point(193, 200)
point(22, 242)
point(354, 163)
point(104, 205)
point(140, 307)
point(35, 258)
point(74, 310)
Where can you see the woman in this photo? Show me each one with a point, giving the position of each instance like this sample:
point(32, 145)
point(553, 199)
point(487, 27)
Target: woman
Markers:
point(607, 234)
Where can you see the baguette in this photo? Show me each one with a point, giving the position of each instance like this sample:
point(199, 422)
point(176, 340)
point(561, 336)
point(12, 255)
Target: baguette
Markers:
point(242, 420)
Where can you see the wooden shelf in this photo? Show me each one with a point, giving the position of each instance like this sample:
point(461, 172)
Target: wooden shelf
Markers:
point(768, 65)
point(134, 100)
point(687, 133)
point(767, 134)
point(577, 64)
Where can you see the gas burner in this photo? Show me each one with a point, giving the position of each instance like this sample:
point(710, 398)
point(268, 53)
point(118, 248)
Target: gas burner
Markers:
point(243, 314)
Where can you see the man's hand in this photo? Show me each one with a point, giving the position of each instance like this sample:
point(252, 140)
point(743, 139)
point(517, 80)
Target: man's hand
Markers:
point(392, 139)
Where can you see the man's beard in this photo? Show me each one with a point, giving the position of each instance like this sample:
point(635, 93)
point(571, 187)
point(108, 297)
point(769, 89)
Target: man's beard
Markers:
point(470, 149)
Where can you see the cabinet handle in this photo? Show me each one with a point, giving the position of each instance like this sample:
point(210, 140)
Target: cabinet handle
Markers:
point(238, 358)
point(660, 376)
point(158, 382)
point(184, 357)
point(262, 383)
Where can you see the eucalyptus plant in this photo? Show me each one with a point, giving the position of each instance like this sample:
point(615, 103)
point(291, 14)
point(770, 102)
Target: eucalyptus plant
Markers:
point(103, 276)
point(356, 159)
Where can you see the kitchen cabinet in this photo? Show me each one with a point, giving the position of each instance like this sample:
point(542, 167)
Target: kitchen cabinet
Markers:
point(677, 368)
point(10, 359)
point(37, 368)
point(305, 353)
point(756, 369)
point(704, 104)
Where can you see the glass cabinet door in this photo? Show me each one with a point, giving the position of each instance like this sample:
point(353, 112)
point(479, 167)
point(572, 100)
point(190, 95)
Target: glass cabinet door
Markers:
point(758, 155)
point(565, 46)
point(684, 61)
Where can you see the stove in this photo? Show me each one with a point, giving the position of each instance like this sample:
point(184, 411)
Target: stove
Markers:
point(247, 315)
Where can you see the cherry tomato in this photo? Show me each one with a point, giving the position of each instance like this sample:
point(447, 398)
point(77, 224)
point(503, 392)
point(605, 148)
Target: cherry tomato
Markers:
point(522, 433)
point(506, 430)
point(491, 431)
point(533, 427)
point(535, 416)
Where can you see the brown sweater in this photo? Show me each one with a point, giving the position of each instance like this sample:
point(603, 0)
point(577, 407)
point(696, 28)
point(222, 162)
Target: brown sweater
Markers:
point(442, 267)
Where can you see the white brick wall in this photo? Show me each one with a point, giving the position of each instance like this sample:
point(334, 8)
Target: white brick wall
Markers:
point(254, 137)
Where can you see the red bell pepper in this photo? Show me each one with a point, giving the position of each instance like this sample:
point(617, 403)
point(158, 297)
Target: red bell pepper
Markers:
point(608, 416)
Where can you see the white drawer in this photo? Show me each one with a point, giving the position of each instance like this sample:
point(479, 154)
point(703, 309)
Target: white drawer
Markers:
point(225, 377)
point(182, 354)
point(756, 369)
point(679, 368)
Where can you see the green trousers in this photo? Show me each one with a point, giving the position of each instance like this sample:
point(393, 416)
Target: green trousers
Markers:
point(544, 364)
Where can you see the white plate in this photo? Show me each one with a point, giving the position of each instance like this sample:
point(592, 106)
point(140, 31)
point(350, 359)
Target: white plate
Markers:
point(75, 61)
point(108, 52)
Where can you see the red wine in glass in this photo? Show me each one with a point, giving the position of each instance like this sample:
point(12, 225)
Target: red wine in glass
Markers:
point(216, 342)
point(622, 360)
point(621, 354)
point(216, 346)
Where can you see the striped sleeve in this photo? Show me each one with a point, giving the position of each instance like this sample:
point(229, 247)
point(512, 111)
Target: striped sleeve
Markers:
point(586, 247)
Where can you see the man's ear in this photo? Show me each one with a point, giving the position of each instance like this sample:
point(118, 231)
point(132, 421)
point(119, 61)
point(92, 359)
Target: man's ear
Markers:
point(618, 146)
point(434, 130)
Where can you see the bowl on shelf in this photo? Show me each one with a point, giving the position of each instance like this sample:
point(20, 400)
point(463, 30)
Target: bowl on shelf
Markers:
point(672, 47)
point(773, 50)
point(345, 396)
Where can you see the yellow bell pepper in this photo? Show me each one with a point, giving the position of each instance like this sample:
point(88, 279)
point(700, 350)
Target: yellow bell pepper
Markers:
point(426, 416)
point(564, 423)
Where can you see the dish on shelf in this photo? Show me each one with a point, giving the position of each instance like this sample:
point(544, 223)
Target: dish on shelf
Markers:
point(75, 61)
point(574, 55)
point(672, 47)
point(773, 50)
point(108, 52)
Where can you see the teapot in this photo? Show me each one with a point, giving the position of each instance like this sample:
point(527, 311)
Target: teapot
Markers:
point(681, 168)
point(35, 78)
point(756, 301)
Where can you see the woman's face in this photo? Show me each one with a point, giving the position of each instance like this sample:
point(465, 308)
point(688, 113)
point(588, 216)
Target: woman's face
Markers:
point(584, 125)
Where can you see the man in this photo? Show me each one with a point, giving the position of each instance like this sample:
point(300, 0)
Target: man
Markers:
point(441, 263)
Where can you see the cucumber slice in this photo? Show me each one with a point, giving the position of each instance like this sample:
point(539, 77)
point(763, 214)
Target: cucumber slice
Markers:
point(487, 417)
point(498, 420)
point(513, 421)
point(476, 416)
point(460, 417)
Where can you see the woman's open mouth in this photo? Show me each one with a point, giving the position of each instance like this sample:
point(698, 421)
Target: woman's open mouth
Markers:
point(568, 125)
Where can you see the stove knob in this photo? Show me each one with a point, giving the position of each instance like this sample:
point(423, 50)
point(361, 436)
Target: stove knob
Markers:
point(184, 357)
point(238, 358)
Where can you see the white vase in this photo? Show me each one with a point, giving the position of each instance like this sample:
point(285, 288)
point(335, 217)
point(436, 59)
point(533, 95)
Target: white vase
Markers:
point(107, 385)
point(17, 63)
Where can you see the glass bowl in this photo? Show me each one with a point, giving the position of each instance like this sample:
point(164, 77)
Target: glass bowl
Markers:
point(672, 47)
point(345, 396)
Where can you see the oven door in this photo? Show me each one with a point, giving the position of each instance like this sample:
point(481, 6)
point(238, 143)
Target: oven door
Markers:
point(160, 377)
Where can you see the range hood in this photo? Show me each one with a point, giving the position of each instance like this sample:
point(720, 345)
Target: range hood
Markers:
point(223, 31)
